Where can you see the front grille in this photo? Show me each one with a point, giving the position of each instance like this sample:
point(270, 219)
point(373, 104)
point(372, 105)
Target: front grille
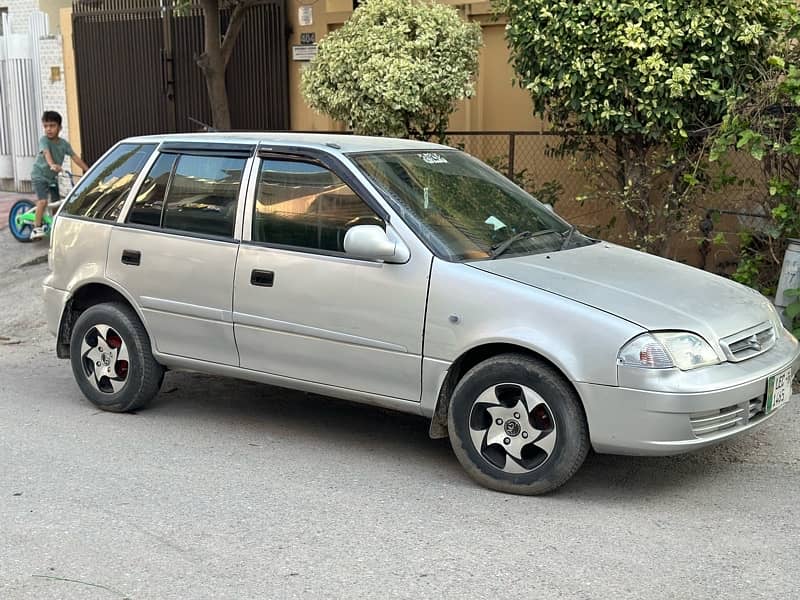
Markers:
point(709, 422)
point(712, 421)
point(756, 407)
point(749, 343)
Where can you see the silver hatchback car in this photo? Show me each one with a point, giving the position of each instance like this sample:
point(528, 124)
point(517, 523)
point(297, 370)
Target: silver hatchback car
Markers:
point(409, 276)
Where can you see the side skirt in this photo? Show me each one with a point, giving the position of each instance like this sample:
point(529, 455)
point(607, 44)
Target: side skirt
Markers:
point(179, 363)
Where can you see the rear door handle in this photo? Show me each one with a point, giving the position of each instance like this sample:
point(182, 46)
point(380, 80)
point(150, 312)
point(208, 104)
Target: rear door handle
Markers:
point(262, 278)
point(131, 257)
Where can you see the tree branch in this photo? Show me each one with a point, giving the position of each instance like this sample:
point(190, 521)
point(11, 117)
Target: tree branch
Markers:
point(211, 20)
point(234, 29)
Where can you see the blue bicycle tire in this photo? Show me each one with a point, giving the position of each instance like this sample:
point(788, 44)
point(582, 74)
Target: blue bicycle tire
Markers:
point(21, 234)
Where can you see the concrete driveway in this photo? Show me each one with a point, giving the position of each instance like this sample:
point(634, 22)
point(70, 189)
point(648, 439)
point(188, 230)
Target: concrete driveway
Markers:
point(7, 200)
point(227, 489)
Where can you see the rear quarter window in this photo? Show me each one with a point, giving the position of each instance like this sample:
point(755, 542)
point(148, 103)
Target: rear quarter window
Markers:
point(102, 194)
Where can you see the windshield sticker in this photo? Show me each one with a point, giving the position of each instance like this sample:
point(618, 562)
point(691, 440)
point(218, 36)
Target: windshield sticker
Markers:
point(495, 222)
point(432, 158)
point(426, 193)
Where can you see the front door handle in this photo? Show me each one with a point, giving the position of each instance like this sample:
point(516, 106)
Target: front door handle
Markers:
point(131, 257)
point(262, 278)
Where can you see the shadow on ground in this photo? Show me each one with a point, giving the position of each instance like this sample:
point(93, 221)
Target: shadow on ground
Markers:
point(269, 414)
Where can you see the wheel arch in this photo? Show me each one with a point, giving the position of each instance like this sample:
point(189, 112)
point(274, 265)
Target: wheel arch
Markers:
point(85, 296)
point(466, 361)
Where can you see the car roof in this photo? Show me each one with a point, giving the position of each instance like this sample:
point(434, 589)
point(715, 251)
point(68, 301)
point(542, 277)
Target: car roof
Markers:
point(322, 141)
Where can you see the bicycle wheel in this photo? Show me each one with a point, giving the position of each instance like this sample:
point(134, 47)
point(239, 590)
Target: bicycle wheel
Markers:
point(19, 223)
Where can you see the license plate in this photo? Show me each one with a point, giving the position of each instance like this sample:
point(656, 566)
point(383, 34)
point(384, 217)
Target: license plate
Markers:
point(779, 390)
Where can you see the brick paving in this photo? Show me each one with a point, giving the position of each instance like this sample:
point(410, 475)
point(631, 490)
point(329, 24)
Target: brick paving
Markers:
point(7, 199)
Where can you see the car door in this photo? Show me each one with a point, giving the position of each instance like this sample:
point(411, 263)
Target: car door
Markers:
point(176, 252)
point(302, 308)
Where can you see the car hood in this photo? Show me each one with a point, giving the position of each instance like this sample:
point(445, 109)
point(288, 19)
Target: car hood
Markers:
point(653, 292)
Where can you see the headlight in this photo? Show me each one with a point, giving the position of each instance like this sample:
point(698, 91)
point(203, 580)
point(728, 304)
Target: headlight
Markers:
point(775, 317)
point(668, 349)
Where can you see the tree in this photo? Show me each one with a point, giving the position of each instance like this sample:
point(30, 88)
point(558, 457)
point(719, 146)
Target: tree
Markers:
point(765, 122)
point(217, 53)
point(640, 85)
point(395, 68)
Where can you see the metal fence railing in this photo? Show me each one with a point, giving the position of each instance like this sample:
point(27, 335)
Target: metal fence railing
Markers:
point(529, 159)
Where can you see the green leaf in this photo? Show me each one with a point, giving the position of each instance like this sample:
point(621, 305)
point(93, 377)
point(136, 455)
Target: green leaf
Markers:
point(792, 310)
point(776, 61)
point(745, 137)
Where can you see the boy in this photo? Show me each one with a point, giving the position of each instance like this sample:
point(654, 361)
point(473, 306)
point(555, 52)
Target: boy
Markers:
point(52, 150)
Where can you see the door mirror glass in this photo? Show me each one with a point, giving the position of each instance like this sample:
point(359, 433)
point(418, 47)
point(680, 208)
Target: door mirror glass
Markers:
point(372, 242)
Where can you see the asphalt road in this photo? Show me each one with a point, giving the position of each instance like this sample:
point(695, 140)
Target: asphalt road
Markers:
point(227, 489)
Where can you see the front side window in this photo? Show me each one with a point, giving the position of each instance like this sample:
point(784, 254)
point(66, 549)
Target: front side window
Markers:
point(102, 194)
point(305, 205)
point(463, 209)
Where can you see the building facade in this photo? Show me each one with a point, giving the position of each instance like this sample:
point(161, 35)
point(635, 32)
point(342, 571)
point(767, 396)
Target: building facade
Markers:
point(32, 79)
point(498, 104)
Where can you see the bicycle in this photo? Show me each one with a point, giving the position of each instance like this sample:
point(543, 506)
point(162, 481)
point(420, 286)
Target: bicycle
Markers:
point(22, 216)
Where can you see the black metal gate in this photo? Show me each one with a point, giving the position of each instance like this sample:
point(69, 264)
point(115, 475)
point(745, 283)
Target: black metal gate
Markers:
point(136, 70)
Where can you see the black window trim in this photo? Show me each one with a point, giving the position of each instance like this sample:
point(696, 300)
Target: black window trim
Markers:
point(168, 187)
point(208, 149)
point(307, 250)
point(153, 229)
point(179, 232)
point(328, 161)
point(175, 162)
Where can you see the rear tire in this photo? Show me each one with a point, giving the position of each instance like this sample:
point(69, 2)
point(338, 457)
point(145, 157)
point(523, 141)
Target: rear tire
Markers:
point(111, 359)
point(517, 426)
point(20, 233)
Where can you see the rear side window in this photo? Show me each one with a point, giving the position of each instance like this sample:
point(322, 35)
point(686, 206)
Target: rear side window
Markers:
point(202, 195)
point(102, 194)
point(195, 194)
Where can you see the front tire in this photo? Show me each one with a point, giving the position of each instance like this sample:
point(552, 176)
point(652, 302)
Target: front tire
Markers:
point(111, 359)
point(517, 426)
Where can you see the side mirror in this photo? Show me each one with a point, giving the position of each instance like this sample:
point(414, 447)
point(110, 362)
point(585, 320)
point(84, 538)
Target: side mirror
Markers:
point(372, 242)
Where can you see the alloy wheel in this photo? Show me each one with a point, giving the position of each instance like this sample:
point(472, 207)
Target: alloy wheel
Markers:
point(104, 356)
point(513, 428)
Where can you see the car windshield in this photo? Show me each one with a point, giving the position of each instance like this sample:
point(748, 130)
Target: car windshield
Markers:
point(463, 209)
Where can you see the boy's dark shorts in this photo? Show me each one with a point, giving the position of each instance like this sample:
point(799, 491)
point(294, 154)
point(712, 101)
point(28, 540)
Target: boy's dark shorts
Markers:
point(44, 191)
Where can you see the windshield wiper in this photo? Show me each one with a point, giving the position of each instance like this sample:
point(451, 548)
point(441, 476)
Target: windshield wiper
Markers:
point(498, 249)
point(568, 238)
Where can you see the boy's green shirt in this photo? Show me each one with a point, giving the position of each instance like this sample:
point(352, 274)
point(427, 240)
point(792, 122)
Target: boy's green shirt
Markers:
point(59, 148)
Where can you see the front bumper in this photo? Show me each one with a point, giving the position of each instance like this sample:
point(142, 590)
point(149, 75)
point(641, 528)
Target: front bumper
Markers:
point(624, 420)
